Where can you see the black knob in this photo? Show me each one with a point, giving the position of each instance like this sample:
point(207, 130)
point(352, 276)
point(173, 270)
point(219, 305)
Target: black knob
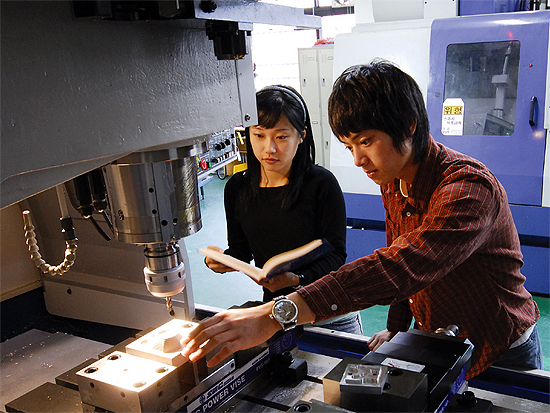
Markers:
point(208, 6)
point(468, 399)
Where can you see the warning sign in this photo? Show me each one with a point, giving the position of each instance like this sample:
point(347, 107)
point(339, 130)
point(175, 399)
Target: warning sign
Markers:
point(452, 122)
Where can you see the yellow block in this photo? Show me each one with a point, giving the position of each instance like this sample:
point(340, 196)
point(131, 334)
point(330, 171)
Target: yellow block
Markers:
point(240, 167)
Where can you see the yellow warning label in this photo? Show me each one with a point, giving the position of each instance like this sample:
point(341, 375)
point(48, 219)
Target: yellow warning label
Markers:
point(452, 110)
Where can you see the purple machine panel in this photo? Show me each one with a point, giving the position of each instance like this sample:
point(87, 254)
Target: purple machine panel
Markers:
point(486, 98)
point(486, 94)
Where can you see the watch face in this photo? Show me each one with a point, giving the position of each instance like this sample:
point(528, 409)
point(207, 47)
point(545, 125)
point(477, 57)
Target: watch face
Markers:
point(284, 311)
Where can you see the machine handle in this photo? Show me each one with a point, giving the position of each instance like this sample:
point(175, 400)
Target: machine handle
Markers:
point(532, 111)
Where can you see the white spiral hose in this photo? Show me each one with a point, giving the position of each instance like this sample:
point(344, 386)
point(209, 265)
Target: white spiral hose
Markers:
point(70, 251)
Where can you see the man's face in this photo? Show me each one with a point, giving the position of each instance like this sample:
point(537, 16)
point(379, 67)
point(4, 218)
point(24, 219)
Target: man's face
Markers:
point(373, 151)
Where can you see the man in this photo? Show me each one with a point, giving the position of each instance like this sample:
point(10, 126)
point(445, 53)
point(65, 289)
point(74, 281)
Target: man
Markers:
point(453, 254)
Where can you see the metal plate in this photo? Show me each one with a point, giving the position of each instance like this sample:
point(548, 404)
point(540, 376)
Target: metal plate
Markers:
point(49, 398)
point(35, 357)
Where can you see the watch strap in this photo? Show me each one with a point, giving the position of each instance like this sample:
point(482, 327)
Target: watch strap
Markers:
point(301, 281)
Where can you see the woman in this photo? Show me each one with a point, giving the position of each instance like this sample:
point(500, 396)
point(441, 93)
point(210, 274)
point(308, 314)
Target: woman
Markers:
point(283, 200)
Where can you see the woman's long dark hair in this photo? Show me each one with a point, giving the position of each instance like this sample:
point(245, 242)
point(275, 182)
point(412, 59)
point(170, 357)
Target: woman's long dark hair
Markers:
point(272, 103)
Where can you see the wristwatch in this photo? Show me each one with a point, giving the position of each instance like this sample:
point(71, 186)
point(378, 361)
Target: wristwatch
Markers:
point(285, 312)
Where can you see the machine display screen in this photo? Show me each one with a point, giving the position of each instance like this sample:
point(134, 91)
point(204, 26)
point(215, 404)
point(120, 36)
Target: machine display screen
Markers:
point(481, 81)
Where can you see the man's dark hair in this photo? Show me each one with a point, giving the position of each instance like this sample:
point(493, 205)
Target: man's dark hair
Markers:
point(379, 96)
point(272, 103)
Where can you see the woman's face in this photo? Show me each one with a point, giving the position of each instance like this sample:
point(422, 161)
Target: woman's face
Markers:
point(276, 147)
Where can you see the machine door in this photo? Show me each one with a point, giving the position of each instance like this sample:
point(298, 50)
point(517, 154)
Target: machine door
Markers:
point(486, 95)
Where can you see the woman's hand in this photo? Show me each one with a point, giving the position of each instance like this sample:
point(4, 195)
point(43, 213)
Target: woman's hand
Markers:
point(275, 283)
point(379, 338)
point(237, 329)
point(215, 265)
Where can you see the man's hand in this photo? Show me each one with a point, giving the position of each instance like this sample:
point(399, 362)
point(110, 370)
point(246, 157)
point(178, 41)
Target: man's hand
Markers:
point(275, 283)
point(237, 329)
point(215, 265)
point(379, 338)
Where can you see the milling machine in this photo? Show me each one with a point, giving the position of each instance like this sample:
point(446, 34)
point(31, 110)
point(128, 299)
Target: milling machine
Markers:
point(107, 105)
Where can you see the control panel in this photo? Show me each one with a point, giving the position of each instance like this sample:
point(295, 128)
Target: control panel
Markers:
point(222, 149)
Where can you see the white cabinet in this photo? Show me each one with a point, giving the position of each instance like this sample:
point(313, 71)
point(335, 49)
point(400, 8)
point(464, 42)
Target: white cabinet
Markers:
point(315, 65)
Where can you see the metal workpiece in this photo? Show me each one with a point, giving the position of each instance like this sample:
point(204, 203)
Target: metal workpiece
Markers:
point(163, 344)
point(402, 391)
point(364, 378)
point(121, 382)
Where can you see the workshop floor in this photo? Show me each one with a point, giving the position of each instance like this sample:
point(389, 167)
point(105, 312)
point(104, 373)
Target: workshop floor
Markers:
point(226, 290)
